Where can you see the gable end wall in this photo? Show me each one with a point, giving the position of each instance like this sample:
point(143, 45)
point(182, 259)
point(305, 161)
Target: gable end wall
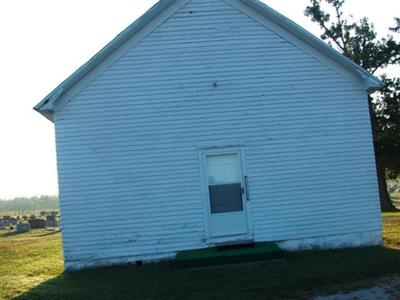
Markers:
point(210, 76)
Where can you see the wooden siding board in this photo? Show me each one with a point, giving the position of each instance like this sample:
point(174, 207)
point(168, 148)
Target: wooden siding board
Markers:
point(257, 100)
point(273, 95)
point(231, 119)
point(270, 142)
point(128, 142)
point(131, 179)
point(189, 133)
point(286, 166)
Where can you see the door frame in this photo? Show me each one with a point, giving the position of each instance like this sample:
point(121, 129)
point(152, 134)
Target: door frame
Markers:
point(203, 153)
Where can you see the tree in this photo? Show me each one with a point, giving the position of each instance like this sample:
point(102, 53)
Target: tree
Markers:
point(359, 41)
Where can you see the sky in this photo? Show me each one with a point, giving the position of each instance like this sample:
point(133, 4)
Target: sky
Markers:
point(44, 41)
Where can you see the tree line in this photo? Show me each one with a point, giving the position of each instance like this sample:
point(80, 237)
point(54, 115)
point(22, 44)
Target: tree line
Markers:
point(31, 203)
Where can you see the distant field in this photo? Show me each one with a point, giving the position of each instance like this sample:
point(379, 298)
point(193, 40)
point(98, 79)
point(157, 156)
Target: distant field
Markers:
point(32, 268)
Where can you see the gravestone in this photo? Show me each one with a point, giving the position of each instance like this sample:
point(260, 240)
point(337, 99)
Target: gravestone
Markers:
point(37, 223)
point(51, 221)
point(13, 221)
point(23, 227)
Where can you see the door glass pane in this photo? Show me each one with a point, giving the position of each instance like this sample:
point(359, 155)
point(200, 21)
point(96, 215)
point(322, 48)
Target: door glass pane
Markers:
point(224, 183)
point(226, 198)
point(223, 169)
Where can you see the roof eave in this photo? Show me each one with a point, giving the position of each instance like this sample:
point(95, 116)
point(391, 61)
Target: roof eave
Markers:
point(48, 114)
point(371, 82)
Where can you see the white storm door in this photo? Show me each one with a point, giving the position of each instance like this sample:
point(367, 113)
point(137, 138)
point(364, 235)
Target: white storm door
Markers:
point(226, 195)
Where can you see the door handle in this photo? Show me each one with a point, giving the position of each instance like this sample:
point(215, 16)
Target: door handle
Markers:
point(246, 186)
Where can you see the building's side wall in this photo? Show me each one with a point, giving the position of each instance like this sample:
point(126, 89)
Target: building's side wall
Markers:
point(128, 143)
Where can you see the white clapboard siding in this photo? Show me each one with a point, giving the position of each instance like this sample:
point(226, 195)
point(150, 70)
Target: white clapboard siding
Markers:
point(128, 143)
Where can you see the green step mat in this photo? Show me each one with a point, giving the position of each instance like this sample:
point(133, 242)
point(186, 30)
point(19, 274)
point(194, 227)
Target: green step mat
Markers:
point(230, 255)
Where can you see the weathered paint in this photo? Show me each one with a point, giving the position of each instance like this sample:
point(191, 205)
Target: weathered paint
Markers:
point(350, 240)
point(211, 76)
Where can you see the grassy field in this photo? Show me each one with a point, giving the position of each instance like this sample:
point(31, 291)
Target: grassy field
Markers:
point(31, 268)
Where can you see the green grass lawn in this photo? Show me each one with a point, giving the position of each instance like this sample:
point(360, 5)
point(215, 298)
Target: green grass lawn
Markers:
point(31, 268)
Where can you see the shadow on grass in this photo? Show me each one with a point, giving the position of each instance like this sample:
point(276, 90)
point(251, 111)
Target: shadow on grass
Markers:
point(303, 273)
point(45, 233)
point(11, 233)
point(49, 232)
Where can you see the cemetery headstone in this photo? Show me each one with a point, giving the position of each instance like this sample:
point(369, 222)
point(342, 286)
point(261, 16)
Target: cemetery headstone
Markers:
point(37, 223)
point(23, 227)
point(52, 223)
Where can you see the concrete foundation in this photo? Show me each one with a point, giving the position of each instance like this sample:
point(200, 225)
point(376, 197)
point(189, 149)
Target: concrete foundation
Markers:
point(353, 240)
